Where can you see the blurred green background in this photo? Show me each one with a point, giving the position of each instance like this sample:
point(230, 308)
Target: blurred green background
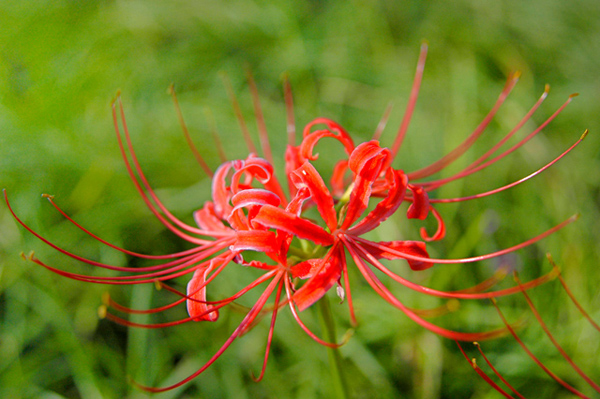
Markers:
point(61, 63)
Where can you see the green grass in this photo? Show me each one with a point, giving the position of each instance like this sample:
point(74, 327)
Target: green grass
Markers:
point(61, 64)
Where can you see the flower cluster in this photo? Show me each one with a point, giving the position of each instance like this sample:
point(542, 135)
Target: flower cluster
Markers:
point(250, 211)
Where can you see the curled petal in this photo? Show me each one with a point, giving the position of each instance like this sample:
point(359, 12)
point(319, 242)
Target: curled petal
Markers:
point(334, 131)
point(414, 248)
point(253, 168)
point(256, 240)
point(277, 218)
point(196, 292)
point(363, 155)
point(367, 161)
point(307, 176)
point(253, 197)
point(419, 209)
point(220, 191)
point(441, 230)
point(295, 205)
point(259, 169)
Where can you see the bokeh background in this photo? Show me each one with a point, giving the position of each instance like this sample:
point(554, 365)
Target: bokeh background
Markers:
point(61, 63)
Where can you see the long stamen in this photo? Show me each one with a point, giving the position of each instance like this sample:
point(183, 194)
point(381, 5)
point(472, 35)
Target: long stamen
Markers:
point(289, 111)
point(570, 294)
point(554, 341)
point(471, 259)
point(453, 294)
point(238, 114)
point(186, 133)
point(245, 322)
point(479, 165)
point(260, 120)
point(197, 255)
point(483, 375)
point(271, 329)
point(533, 357)
point(50, 199)
point(412, 101)
point(166, 274)
point(524, 179)
point(146, 184)
point(380, 288)
point(465, 145)
point(194, 256)
point(290, 295)
point(497, 372)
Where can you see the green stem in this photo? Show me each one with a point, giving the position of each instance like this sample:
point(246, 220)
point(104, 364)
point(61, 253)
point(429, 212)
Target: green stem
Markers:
point(335, 358)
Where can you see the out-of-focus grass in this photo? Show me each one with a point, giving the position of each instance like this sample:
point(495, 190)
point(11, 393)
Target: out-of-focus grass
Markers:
point(62, 62)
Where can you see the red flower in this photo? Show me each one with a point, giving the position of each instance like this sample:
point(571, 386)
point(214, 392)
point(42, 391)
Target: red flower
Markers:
point(250, 211)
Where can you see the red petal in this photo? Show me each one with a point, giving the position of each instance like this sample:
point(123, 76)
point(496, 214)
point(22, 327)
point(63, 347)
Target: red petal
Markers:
point(196, 290)
point(220, 192)
point(337, 179)
point(306, 269)
point(318, 285)
point(441, 230)
point(256, 240)
point(254, 196)
point(207, 219)
point(397, 182)
point(366, 161)
point(419, 209)
point(261, 170)
point(307, 176)
point(292, 162)
point(277, 218)
point(416, 248)
point(335, 131)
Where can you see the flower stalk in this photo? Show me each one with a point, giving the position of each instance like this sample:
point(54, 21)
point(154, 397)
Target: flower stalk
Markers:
point(334, 356)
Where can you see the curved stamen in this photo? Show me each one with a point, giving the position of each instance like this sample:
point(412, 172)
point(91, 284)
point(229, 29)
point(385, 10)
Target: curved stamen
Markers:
point(554, 341)
point(186, 133)
point(136, 254)
point(380, 288)
point(412, 101)
point(289, 293)
point(570, 294)
point(236, 333)
point(479, 165)
point(483, 375)
point(270, 336)
point(533, 357)
point(524, 179)
point(496, 371)
point(238, 114)
point(452, 294)
point(471, 259)
point(465, 145)
point(146, 184)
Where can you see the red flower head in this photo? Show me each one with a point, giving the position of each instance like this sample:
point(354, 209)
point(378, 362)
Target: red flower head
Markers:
point(251, 212)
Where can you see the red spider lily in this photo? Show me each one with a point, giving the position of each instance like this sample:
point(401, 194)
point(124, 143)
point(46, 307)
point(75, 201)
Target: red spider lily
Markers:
point(250, 211)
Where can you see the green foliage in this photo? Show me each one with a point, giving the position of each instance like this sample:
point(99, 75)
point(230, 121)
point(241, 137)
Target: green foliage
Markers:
point(62, 62)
